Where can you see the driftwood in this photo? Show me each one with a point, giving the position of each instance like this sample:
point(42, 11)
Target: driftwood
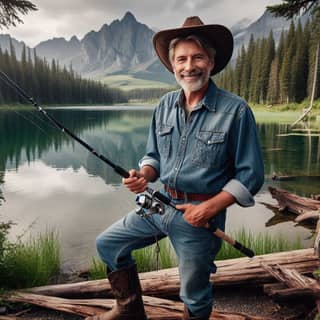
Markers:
point(292, 278)
point(282, 177)
point(308, 215)
point(295, 204)
point(281, 292)
point(156, 309)
point(317, 241)
point(298, 284)
point(164, 283)
point(281, 217)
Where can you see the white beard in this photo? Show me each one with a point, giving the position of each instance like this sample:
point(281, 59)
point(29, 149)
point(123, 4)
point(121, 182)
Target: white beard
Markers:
point(194, 85)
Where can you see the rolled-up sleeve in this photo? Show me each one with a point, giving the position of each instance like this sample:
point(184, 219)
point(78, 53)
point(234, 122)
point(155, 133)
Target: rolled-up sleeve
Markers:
point(248, 163)
point(152, 157)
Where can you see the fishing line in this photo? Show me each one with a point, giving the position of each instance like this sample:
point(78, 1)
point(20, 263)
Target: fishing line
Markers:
point(12, 86)
point(29, 120)
point(41, 119)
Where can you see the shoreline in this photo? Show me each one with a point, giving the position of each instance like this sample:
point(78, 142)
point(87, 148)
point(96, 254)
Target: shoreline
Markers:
point(290, 107)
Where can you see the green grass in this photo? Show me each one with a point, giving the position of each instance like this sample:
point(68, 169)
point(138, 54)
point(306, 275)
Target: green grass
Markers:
point(97, 269)
point(287, 106)
point(261, 243)
point(128, 82)
point(146, 258)
point(31, 263)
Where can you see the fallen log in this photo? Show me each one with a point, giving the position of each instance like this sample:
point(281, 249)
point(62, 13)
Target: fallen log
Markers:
point(281, 292)
point(317, 240)
point(156, 309)
point(314, 214)
point(281, 177)
point(164, 283)
point(293, 203)
point(291, 278)
point(295, 281)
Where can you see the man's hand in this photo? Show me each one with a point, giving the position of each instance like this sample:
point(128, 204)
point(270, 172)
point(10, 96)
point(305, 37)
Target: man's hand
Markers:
point(136, 183)
point(197, 215)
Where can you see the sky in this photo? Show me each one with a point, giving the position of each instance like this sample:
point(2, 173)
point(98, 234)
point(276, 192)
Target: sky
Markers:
point(66, 18)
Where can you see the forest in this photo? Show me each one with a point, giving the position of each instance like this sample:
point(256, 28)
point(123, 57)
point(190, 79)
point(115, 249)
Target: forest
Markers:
point(263, 73)
point(268, 74)
point(50, 83)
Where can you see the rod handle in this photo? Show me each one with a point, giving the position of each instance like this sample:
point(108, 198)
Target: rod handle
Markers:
point(246, 251)
point(236, 244)
point(161, 197)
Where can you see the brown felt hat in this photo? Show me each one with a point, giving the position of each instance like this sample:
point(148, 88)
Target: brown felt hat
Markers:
point(218, 36)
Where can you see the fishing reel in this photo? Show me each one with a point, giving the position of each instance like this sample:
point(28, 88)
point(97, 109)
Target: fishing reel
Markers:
point(149, 205)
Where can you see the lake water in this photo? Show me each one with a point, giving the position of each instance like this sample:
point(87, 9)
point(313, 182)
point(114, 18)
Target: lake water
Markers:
point(51, 182)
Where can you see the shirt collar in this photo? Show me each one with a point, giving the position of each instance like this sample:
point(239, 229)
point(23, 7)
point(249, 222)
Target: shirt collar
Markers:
point(208, 101)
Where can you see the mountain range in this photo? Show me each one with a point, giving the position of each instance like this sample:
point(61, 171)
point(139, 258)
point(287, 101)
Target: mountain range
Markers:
point(125, 48)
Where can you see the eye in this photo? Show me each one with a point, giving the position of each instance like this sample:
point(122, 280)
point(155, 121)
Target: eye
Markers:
point(180, 59)
point(199, 57)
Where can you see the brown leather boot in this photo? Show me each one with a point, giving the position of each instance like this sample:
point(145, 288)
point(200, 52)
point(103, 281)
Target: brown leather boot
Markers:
point(126, 288)
point(186, 315)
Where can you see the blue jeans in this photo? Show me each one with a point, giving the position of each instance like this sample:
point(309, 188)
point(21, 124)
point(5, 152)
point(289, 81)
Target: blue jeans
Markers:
point(195, 247)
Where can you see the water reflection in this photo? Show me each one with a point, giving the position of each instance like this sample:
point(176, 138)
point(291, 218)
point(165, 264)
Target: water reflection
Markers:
point(291, 155)
point(120, 135)
point(50, 181)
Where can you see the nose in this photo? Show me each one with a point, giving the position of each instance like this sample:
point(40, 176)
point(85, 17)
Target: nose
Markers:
point(189, 65)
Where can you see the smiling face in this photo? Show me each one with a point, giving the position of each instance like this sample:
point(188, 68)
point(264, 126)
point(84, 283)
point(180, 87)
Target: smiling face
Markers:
point(191, 65)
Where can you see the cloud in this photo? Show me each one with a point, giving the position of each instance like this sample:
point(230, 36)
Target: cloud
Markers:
point(61, 18)
point(41, 180)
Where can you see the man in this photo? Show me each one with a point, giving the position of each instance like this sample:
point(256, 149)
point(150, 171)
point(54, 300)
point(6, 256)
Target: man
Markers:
point(203, 146)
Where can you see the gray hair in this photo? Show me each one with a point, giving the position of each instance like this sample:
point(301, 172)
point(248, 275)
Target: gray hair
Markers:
point(201, 42)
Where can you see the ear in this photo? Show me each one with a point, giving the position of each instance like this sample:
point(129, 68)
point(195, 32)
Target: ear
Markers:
point(212, 65)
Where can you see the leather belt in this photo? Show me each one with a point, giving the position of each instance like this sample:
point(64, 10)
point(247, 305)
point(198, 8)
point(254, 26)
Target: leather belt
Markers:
point(188, 196)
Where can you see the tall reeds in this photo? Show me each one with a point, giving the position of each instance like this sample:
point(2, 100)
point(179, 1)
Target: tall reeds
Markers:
point(147, 260)
point(29, 263)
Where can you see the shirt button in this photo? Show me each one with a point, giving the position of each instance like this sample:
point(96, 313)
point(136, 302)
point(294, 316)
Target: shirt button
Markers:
point(175, 168)
point(209, 141)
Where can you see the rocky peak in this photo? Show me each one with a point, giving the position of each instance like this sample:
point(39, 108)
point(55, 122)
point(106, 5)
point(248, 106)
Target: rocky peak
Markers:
point(128, 18)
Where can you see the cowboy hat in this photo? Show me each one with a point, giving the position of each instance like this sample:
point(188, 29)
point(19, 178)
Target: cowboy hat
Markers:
point(218, 36)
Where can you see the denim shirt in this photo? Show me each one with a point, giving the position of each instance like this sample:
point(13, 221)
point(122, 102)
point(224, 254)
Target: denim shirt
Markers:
point(215, 148)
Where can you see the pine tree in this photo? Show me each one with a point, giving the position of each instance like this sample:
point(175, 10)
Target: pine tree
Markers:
point(300, 64)
point(291, 8)
point(268, 56)
point(285, 77)
point(314, 42)
point(273, 83)
point(255, 83)
point(10, 11)
point(246, 70)
point(237, 72)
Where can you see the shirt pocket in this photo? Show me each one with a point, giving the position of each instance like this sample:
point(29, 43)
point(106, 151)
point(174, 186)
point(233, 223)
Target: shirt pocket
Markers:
point(210, 149)
point(164, 134)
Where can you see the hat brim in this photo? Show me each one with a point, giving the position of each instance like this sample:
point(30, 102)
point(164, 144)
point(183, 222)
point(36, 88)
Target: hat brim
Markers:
point(219, 37)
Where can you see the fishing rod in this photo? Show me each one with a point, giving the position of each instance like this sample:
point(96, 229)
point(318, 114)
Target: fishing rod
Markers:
point(154, 202)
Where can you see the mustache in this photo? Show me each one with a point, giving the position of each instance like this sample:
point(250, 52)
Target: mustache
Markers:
point(191, 73)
